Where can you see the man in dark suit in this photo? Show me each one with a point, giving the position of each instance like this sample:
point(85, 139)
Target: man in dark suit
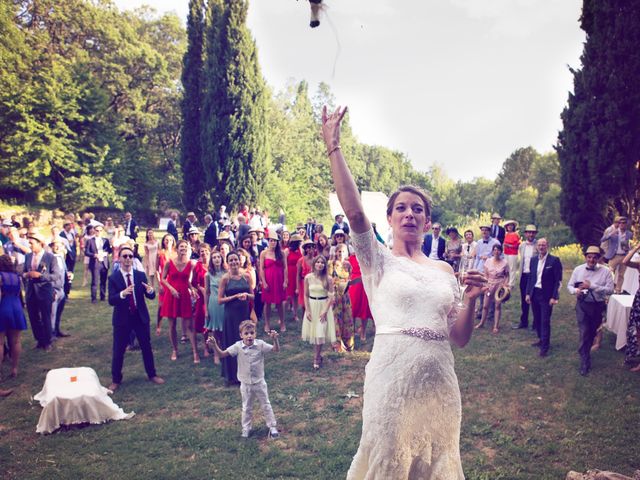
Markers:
point(72, 252)
point(497, 231)
point(340, 224)
point(188, 224)
point(130, 226)
point(41, 270)
point(127, 291)
point(210, 231)
point(172, 226)
point(542, 292)
point(434, 249)
point(310, 228)
point(98, 250)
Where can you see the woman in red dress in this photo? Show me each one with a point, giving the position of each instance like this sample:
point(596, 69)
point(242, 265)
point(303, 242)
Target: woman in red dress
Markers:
point(167, 252)
point(176, 278)
point(293, 255)
point(198, 283)
point(359, 301)
point(273, 276)
point(303, 268)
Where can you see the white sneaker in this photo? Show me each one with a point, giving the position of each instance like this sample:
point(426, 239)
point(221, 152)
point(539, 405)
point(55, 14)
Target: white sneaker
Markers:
point(245, 433)
point(273, 432)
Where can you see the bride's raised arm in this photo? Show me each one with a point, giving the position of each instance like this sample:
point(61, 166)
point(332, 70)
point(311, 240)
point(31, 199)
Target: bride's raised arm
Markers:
point(345, 186)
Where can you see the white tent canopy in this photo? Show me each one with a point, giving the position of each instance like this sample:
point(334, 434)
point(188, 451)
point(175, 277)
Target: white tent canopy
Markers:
point(375, 208)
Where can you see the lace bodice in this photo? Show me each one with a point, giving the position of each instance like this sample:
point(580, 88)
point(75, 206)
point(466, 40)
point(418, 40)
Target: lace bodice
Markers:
point(403, 293)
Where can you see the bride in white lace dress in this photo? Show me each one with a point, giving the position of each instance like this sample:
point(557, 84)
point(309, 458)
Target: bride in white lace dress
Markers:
point(411, 412)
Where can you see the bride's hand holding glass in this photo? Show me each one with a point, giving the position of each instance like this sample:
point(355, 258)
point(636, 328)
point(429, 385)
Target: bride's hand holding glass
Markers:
point(476, 284)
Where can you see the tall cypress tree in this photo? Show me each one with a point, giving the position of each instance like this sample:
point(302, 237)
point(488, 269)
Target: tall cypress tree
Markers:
point(234, 133)
point(195, 194)
point(599, 144)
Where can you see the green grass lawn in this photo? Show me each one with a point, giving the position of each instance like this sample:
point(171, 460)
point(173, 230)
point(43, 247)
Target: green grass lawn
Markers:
point(523, 417)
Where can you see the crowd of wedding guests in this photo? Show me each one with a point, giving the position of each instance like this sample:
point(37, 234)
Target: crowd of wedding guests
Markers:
point(506, 258)
point(213, 274)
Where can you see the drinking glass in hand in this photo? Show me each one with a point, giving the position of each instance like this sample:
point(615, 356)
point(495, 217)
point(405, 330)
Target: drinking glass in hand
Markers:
point(465, 265)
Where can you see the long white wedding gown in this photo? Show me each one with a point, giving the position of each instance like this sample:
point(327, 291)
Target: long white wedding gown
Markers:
point(411, 412)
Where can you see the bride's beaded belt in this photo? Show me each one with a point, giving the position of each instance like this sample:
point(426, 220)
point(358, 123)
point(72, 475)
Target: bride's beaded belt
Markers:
point(423, 333)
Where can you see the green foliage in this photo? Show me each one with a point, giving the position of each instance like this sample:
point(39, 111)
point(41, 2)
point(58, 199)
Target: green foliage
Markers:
point(598, 146)
point(570, 255)
point(521, 205)
point(514, 176)
point(83, 89)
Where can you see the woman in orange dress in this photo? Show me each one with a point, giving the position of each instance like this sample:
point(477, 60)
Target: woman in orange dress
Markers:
point(359, 300)
point(167, 252)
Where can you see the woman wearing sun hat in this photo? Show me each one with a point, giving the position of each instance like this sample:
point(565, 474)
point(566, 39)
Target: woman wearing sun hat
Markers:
point(511, 245)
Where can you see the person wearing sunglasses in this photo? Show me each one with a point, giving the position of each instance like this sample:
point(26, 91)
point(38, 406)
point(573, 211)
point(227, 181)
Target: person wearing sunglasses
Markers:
point(127, 291)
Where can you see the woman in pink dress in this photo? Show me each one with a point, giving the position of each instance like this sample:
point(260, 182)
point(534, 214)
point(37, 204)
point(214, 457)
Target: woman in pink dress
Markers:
point(496, 269)
point(150, 260)
point(303, 268)
point(273, 276)
point(293, 255)
point(176, 278)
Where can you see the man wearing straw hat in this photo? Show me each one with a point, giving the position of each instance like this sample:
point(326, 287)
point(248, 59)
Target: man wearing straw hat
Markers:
point(617, 248)
point(527, 250)
point(591, 283)
point(497, 231)
point(41, 270)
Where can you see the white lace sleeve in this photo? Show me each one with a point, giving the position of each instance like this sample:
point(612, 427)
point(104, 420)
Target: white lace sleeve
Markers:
point(452, 316)
point(371, 256)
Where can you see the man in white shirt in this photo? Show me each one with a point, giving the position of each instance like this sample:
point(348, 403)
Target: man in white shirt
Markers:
point(527, 250)
point(98, 250)
point(543, 293)
point(434, 245)
point(591, 283)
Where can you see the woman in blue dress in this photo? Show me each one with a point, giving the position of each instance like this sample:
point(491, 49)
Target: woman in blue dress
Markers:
point(12, 320)
point(214, 319)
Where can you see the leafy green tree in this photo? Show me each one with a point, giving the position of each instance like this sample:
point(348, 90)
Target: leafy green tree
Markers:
point(521, 205)
point(599, 144)
point(514, 176)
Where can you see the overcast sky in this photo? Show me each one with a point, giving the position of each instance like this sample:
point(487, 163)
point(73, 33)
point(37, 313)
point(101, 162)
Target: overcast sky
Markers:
point(460, 83)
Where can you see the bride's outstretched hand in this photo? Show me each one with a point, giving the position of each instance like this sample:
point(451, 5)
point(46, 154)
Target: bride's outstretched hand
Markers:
point(476, 283)
point(331, 127)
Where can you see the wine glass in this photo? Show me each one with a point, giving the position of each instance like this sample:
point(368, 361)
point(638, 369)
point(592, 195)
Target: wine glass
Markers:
point(462, 275)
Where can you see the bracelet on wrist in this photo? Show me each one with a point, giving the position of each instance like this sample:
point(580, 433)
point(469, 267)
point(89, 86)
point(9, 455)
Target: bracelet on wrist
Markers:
point(334, 149)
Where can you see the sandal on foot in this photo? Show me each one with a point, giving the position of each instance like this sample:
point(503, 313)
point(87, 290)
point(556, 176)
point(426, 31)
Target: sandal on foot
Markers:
point(174, 356)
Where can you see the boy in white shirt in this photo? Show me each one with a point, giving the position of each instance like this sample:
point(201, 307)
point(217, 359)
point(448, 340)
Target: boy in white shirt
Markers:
point(250, 353)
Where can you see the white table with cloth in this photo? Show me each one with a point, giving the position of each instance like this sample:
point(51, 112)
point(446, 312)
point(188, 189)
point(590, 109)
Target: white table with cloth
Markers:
point(618, 312)
point(74, 395)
